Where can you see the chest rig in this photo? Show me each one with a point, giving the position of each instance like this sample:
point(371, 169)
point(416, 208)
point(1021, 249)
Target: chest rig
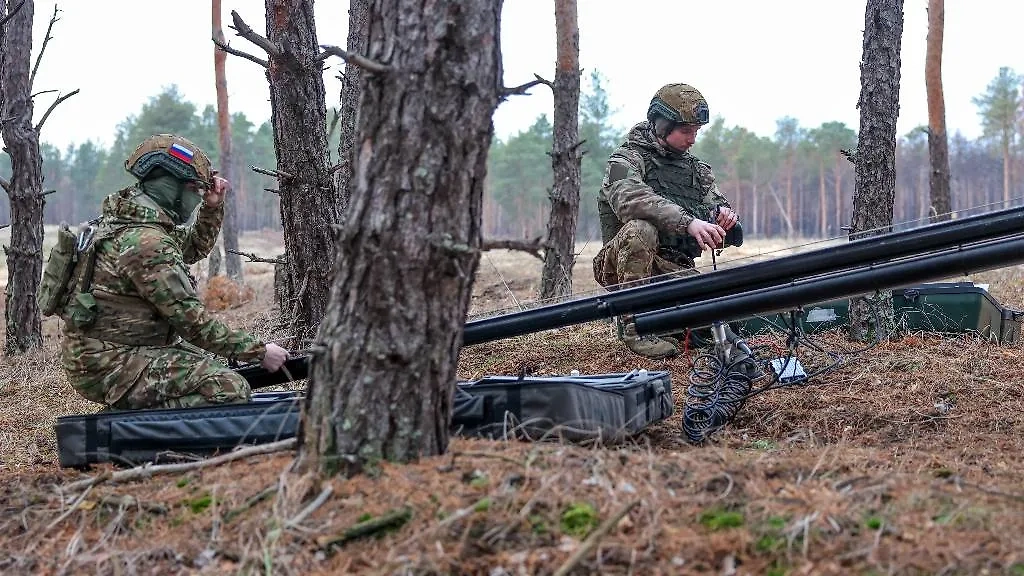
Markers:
point(676, 180)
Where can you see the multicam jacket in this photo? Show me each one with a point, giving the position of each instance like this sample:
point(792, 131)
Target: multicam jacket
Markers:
point(144, 294)
point(646, 181)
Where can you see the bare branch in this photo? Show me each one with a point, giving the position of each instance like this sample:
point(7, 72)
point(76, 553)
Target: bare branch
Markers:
point(521, 90)
point(6, 185)
point(274, 173)
point(48, 192)
point(226, 48)
point(41, 92)
point(354, 59)
point(3, 21)
point(243, 30)
point(272, 190)
point(532, 247)
point(254, 258)
point(52, 106)
point(46, 39)
point(2, 226)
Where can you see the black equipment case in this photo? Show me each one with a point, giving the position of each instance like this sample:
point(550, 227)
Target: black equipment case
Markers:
point(138, 436)
point(609, 407)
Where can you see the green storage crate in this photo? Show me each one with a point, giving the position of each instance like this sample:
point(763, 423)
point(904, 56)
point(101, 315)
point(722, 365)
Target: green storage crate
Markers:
point(947, 308)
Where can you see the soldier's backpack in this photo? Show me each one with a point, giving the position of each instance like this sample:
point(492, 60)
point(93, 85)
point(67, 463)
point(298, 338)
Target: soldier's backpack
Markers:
point(54, 288)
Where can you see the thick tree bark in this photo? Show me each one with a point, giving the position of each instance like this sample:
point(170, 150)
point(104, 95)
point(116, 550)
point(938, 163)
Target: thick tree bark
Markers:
point(383, 371)
point(25, 189)
point(875, 171)
point(938, 143)
point(229, 231)
point(309, 201)
point(560, 247)
point(358, 29)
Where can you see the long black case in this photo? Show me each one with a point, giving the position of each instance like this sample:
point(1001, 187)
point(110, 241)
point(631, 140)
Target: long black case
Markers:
point(138, 436)
point(605, 406)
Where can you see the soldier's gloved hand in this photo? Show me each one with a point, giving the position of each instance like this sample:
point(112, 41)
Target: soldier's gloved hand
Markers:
point(216, 193)
point(726, 218)
point(706, 234)
point(274, 357)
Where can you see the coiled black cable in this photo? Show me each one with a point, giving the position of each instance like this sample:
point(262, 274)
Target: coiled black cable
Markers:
point(715, 393)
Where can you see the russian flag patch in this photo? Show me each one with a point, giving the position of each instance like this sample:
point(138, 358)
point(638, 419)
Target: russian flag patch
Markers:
point(181, 153)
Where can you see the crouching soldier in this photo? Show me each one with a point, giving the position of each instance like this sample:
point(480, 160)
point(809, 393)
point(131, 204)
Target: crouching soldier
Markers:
point(659, 206)
point(135, 332)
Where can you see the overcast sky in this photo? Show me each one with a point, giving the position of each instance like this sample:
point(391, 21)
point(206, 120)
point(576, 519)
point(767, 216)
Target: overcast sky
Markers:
point(754, 60)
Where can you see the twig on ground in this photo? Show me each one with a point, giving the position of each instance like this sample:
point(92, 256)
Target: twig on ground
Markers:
point(392, 519)
point(147, 471)
point(324, 495)
point(485, 455)
point(595, 537)
point(71, 509)
point(252, 501)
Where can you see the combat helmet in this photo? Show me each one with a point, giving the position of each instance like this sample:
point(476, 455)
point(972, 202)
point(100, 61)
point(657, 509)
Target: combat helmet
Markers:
point(679, 104)
point(175, 154)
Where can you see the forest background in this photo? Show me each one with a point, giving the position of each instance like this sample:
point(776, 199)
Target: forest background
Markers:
point(796, 183)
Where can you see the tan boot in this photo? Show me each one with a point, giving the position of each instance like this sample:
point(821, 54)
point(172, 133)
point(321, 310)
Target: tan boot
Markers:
point(651, 347)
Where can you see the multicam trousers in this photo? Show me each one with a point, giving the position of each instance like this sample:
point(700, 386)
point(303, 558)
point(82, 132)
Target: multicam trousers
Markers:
point(135, 377)
point(631, 257)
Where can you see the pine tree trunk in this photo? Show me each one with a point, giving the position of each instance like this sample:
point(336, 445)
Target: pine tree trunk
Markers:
point(229, 230)
point(350, 94)
point(560, 247)
point(25, 189)
point(875, 184)
point(383, 374)
point(938, 143)
point(309, 201)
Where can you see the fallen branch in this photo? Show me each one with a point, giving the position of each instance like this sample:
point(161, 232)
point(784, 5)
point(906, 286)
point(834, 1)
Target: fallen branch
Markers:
point(595, 537)
point(354, 59)
point(254, 258)
point(532, 247)
point(46, 114)
point(318, 502)
point(147, 471)
point(392, 519)
point(521, 90)
point(252, 501)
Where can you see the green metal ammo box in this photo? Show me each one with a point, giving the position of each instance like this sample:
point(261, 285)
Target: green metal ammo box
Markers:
point(946, 308)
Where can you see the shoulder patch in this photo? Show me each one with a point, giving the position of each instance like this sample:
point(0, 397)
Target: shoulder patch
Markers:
point(617, 172)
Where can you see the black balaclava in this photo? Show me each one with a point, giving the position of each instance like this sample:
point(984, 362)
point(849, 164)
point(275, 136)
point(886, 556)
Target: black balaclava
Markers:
point(171, 194)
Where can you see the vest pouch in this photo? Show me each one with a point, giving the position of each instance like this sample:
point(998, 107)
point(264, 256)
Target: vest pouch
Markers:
point(81, 311)
point(53, 289)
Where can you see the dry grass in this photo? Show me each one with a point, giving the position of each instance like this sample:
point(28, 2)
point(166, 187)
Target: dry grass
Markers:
point(860, 473)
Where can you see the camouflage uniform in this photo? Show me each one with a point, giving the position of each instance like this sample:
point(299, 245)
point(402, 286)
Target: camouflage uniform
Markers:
point(648, 197)
point(133, 355)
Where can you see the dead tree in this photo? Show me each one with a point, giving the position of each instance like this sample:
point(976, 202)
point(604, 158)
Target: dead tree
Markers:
point(358, 30)
point(229, 231)
point(560, 247)
point(25, 188)
point(875, 172)
point(383, 371)
point(938, 142)
point(309, 200)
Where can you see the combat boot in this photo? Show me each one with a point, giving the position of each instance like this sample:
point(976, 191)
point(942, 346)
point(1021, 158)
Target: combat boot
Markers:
point(651, 347)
